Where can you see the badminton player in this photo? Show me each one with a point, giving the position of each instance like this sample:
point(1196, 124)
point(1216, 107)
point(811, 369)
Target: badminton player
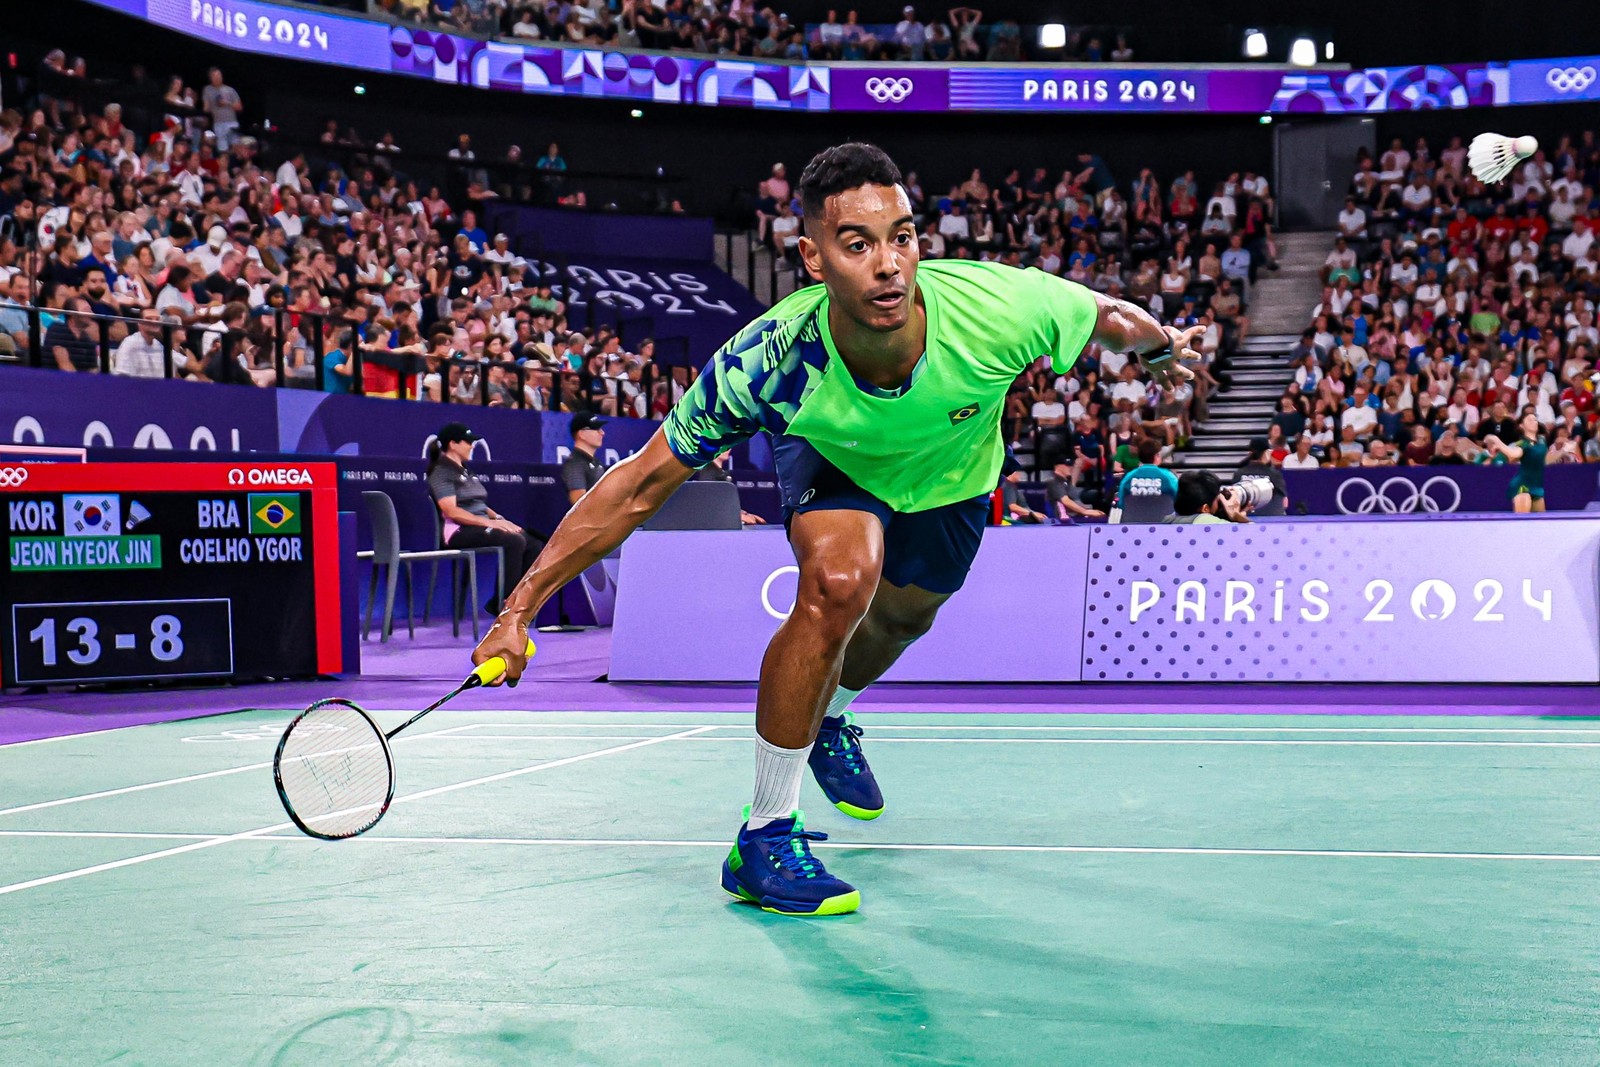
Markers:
point(882, 390)
point(1527, 485)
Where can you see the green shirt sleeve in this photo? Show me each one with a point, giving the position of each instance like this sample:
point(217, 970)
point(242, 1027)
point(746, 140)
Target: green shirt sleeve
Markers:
point(720, 409)
point(1064, 318)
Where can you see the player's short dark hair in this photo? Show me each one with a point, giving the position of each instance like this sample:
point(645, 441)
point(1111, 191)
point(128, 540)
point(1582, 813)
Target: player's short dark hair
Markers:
point(841, 168)
point(1148, 451)
point(1196, 489)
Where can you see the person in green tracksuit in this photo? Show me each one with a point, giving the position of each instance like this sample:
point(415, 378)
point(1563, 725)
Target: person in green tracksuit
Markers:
point(882, 389)
point(1527, 486)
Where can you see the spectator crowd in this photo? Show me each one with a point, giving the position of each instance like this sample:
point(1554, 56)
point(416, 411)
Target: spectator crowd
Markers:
point(744, 28)
point(1450, 310)
point(128, 249)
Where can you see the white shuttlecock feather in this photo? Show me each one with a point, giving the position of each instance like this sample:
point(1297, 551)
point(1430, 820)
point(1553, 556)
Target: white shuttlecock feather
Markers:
point(1493, 155)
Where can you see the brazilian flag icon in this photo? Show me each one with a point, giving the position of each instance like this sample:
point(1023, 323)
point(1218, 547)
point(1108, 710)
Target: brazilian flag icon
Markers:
point(272, 513)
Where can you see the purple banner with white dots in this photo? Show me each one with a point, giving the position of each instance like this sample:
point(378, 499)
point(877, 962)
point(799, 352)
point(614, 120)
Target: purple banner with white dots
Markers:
point(1386, 600)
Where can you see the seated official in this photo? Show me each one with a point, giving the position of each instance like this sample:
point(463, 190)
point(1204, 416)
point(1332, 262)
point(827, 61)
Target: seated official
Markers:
point(469, 521)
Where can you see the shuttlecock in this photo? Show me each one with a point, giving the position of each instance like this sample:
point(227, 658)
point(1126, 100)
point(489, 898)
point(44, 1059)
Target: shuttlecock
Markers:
point(1493, 155)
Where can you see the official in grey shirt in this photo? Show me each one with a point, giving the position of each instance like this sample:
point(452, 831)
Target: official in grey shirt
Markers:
point(469, 521)
point(581, 470)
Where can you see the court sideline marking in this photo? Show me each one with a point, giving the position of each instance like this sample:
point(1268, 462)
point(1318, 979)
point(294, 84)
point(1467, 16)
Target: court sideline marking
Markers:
point(121, 790)
point(877, 739)
point(271, 834)
point(456, 733)
point(195, 846)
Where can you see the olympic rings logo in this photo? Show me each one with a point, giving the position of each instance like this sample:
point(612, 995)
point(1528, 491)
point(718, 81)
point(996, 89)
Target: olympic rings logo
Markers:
point(1569, 79)
point(1412, 497)
point(889, 90)
point(11, 477)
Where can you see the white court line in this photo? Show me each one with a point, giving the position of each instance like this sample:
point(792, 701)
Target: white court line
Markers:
point(879, 740)
point(1104, 728)
point(459, 732)
point(159, 785)
point(588, 842)
point(263, 830)
point(109, 730)
point(452, 735)
point(110, 833)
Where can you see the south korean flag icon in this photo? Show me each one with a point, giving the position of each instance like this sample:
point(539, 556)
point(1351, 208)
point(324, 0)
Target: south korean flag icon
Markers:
point(92, 514)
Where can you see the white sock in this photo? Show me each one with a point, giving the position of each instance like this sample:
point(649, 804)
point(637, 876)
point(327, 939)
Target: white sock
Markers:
point(778, 775)
point(842, 699)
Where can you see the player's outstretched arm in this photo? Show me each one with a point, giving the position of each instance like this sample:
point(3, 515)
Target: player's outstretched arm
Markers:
point(1126, 327)
point(624, 497)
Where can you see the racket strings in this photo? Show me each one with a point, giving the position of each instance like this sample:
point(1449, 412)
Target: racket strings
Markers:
point(335, 771)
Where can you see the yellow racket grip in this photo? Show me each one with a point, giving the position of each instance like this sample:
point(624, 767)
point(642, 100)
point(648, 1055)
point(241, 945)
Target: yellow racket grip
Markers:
point(494, 667)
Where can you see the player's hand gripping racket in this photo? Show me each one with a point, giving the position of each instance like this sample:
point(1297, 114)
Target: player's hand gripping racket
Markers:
point(334, 770)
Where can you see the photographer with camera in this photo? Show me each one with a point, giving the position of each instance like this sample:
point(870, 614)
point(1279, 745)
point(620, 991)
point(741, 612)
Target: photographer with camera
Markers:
point(1258, 465)
point(1204, 501)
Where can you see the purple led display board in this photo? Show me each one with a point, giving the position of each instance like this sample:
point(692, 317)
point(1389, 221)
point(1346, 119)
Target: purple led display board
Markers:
point(702, 605)
point(414, 51)
point(1386, 599)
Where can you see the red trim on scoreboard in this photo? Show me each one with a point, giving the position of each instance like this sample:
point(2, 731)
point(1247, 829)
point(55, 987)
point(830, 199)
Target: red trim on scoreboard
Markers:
point(320, 481)
point(325, 566)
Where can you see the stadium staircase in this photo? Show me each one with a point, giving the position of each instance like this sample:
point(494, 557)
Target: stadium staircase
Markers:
point(1258, 370)
point(750, 263)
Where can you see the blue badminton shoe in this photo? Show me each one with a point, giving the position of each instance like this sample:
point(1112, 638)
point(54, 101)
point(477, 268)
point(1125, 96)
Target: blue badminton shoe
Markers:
point(773, 868)
point(841, 769)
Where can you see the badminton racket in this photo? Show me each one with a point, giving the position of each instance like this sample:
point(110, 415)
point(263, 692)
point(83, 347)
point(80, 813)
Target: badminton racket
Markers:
point(334, 769)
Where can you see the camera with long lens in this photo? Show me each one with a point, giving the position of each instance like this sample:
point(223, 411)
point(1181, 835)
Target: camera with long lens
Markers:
point(1249, 493)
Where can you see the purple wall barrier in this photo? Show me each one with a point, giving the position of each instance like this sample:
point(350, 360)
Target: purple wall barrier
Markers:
point(685, 298)
point(359, 425)
point(1400, 490)
point(579, 233)
point(743, 584)
point(1452, 600)
point(51, 408)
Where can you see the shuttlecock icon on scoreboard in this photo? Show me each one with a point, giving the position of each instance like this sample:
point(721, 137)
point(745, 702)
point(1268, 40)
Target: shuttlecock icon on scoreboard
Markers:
point(137, 513)
point(1493, 155)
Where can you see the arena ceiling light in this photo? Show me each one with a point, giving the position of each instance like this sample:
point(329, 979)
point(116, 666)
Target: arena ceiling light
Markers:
point(1303, 53)
point(1053, 35)
point(1255, 44)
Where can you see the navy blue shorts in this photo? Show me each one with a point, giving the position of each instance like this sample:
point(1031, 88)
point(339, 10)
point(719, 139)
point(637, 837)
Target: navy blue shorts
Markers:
point(931, 549)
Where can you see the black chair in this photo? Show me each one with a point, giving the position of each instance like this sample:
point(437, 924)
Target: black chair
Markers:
point(699, 506)
point(387, 556)
point(1147, 500)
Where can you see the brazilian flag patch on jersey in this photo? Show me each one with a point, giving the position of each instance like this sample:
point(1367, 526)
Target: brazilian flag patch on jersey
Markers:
point(274, 513)
point(962, 414)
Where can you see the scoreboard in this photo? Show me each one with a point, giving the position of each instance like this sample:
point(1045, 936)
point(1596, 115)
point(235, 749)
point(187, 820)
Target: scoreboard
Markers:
point(124, 571)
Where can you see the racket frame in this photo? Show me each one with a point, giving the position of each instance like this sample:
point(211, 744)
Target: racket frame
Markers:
point(388, 757)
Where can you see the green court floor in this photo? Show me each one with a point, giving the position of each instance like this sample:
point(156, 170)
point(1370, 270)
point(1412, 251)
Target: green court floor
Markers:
point(1043, 890)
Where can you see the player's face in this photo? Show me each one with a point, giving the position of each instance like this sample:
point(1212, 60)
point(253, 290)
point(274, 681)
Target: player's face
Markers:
point(865, 251)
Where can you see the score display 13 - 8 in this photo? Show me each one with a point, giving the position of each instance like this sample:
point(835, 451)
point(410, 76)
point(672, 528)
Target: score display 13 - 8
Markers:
point(111, 640)
point(158, 584)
